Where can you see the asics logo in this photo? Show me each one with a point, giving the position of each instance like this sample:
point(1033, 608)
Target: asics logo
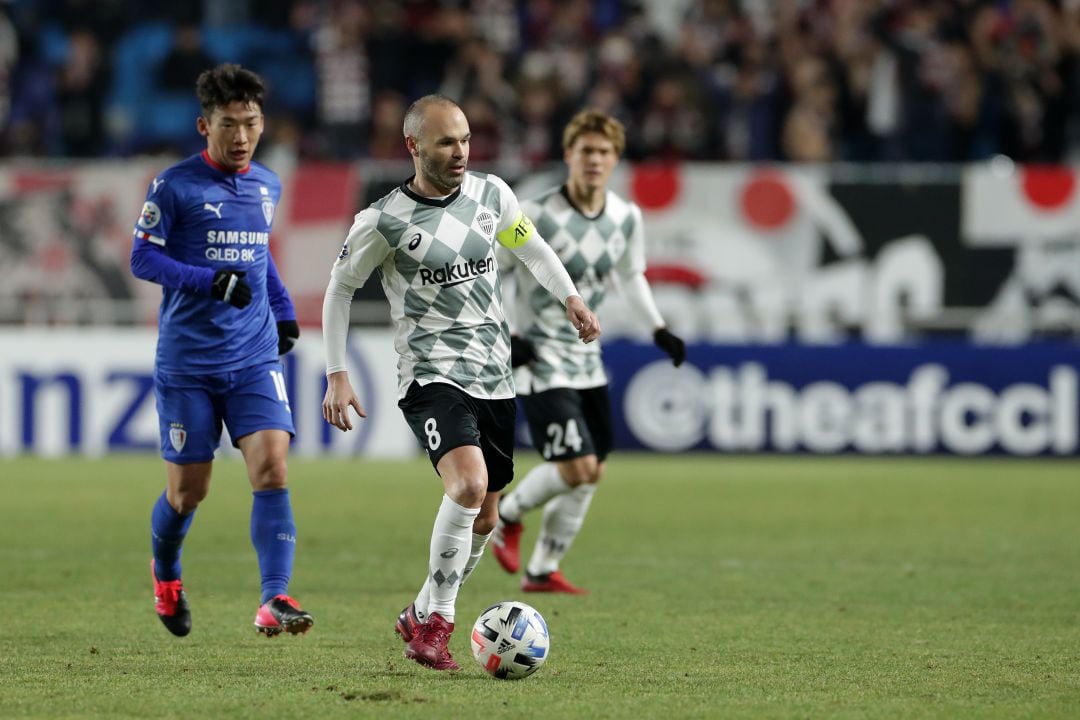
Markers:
point(216, 209)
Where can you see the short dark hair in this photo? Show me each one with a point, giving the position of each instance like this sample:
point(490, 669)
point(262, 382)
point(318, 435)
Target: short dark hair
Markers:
point(226, 84)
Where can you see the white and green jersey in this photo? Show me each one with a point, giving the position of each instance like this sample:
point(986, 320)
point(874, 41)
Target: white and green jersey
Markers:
point(437, 264)
point(592, 249)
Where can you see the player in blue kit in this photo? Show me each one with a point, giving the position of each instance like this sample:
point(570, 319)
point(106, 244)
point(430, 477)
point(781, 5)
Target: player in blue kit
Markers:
point(225, 317)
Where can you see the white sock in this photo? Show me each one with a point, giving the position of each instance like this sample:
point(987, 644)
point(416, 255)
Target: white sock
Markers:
point(541, 484)
point(479, 542)
point(563, 517)
point(448, 556)
point(421, 602)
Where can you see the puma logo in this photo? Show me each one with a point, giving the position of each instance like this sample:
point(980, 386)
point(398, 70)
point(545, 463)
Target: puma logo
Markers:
point(216, 209)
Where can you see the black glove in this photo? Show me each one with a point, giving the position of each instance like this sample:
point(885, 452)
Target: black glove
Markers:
point(287, 332)
point(522, 351)
point(229, 286)
point(671, 344)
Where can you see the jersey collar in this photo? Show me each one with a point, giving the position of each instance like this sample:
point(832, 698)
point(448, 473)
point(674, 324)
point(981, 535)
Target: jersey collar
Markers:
point(221, 168)
point(434, 202)
point(566, 194)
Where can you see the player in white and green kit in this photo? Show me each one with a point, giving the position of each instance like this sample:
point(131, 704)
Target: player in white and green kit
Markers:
point(598, 236)
point(432, 241)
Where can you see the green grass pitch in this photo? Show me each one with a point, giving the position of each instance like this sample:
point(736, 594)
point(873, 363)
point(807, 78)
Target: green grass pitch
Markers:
point(721, 588)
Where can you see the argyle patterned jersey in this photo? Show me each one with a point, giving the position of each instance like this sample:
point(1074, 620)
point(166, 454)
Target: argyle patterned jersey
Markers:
point(437, 265)
point(591, 249)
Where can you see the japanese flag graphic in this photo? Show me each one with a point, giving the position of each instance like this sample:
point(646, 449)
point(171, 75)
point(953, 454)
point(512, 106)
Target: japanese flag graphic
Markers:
point(1005, 204)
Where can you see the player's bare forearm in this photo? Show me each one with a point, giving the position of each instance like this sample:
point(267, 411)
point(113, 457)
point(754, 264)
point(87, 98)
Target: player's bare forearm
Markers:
point(338, 399)
point(582, 318)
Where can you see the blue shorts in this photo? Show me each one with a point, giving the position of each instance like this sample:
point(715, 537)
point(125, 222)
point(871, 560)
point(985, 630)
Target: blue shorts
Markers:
point(192, 408)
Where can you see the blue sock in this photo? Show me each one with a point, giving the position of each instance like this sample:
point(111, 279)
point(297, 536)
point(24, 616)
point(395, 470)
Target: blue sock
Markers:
point(273, 533)
point(167, 531)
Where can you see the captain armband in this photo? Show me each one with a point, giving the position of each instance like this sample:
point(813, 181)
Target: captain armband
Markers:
point(518, 233)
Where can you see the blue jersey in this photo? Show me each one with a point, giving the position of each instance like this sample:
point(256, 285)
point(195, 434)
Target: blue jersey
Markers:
point(199, 218)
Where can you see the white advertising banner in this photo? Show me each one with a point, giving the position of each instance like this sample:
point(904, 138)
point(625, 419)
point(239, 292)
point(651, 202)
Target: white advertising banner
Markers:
point(91, 392)
point(742, 254)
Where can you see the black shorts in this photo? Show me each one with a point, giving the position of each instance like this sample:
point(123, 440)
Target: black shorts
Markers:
point(566, 423)
point(444, 417)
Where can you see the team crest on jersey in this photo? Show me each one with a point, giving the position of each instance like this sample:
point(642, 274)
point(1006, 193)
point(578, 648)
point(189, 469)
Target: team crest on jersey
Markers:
point(150, 216)
point(177, 437)
point(486, 222)
point(268, 210)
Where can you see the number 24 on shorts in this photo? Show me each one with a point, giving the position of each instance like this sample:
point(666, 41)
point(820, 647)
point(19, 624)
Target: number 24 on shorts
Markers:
point(560, 440)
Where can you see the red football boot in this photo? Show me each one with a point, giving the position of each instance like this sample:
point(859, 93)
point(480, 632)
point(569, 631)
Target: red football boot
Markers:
point(407, 622)
point(171, 604)
point(506, 543)
point(550, 583)
point(282, 614)
point(429, 645)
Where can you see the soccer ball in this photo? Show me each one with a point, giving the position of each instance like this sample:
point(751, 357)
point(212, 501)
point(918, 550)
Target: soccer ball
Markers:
point(510, 640)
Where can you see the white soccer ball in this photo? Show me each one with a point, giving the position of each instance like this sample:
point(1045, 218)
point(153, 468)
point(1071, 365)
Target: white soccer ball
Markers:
point(510, 640)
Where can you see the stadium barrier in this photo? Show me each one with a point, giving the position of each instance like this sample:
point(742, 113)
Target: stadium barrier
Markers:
point(865, 309)
point(937, 397)
point(90, 392)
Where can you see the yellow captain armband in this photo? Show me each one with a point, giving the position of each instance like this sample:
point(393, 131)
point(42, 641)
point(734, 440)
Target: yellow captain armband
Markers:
point(518, 233)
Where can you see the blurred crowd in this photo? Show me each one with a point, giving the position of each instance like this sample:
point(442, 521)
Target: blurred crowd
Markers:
point(733, 80)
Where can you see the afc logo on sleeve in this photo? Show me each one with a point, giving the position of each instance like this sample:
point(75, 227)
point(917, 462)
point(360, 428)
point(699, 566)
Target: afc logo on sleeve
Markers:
point(150, 216)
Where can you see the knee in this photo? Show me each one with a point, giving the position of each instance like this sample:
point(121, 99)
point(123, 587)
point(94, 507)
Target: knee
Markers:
point(580, 471)
point(185, 500)
point(469, 490)
point(270, 474)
